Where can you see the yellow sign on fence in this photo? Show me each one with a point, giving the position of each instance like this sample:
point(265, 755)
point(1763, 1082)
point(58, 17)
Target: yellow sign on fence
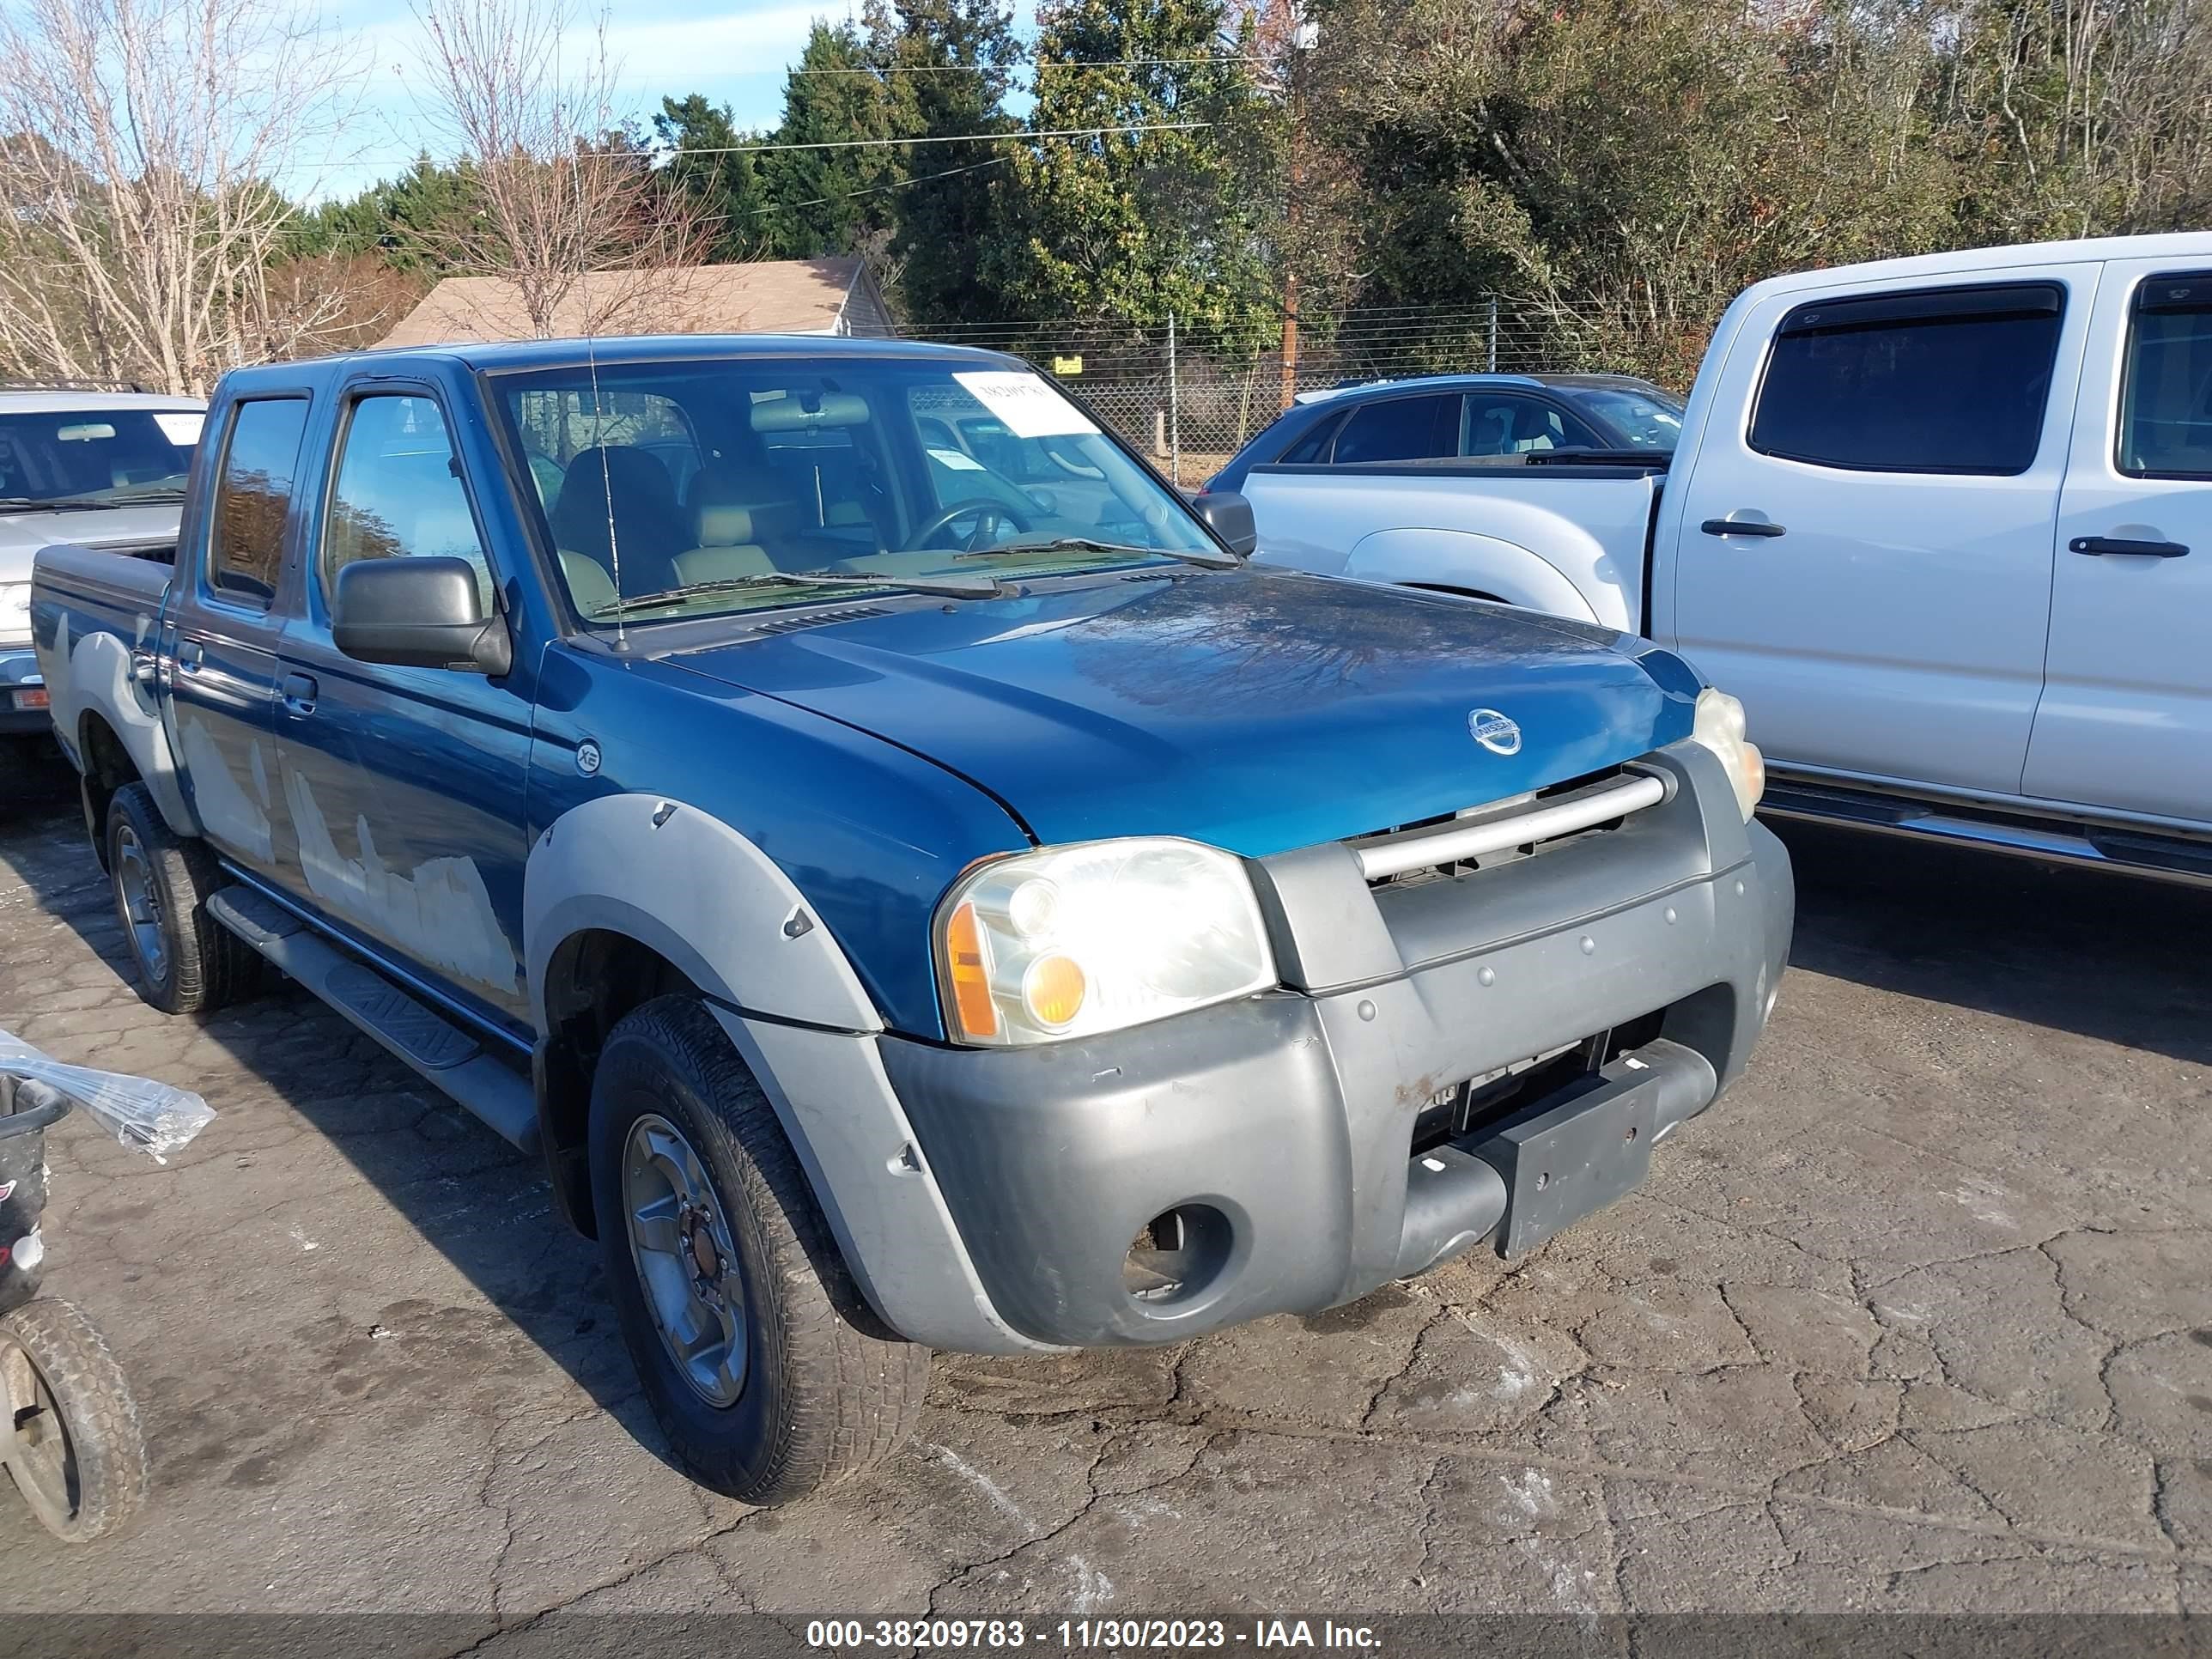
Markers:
point(1067, 365)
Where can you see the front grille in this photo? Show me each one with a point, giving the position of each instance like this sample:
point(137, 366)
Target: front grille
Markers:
point(1502, 832)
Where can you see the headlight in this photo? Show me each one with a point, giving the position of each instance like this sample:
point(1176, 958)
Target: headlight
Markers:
point(1074, 941)
point(1719, 727)
point(14, 611)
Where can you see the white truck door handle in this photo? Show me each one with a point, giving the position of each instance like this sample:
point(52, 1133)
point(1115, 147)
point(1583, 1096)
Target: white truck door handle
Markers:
point(2101, 546)
point(1741, 528)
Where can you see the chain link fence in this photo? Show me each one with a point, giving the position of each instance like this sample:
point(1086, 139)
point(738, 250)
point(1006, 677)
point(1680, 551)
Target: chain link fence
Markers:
point(1191, 398)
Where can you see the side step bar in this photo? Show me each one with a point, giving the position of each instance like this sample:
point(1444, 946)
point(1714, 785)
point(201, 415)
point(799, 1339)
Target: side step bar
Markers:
point(2116, 848)
point(440, 1051)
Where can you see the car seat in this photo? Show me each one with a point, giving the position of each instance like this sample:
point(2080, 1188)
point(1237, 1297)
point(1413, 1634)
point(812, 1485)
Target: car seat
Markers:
point(616, 498)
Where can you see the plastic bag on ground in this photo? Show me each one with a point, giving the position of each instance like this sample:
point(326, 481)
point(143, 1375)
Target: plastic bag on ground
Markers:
point(155, 1118)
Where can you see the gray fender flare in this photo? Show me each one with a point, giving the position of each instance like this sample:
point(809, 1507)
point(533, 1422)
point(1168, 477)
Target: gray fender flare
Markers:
point(680, 881)
point(96, 675)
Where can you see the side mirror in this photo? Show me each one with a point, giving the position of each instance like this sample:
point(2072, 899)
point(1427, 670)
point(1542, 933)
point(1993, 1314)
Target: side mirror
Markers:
point(1229, 515)
point(417, 613)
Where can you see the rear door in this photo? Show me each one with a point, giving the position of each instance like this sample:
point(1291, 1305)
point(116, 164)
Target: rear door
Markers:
point(222, 676)
point(1864, 554)
point(405, 785)
point(2125, 722)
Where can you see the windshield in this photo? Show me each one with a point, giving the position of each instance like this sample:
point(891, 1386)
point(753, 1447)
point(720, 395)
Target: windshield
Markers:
point(700, 477)
point(1647, 420)
point(106, 454)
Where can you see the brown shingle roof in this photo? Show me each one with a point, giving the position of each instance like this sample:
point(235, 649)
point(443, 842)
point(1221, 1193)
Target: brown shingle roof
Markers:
point(768, 296)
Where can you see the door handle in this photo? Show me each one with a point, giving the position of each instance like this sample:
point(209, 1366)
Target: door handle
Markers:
point(299, 692)
point(1741, 528)
point(2097, 546)
point(188, 655)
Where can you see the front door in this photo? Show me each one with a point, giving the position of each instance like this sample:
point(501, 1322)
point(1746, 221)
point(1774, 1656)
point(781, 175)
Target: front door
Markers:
point(2126, 718)
point(223, 681)
point(1864, 558)
point(405, 785)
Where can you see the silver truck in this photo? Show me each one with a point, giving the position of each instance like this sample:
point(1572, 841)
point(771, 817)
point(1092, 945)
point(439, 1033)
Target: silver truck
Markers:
point(100, 468)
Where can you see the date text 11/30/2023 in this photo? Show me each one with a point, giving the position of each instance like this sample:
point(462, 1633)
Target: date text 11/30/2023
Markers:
point(1166, 1635)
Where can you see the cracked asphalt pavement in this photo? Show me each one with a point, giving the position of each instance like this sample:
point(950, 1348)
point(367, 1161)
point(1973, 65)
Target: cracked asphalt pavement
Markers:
point(1918, 1318)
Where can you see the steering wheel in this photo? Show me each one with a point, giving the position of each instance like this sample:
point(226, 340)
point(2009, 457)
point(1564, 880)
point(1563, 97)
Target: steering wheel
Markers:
point(985, 513)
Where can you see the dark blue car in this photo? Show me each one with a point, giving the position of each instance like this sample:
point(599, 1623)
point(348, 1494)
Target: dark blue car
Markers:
point(915, 882)
point(1473, 415)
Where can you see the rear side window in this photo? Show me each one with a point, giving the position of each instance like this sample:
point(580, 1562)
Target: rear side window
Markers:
point(253, 497)
point(2166, 405)
point(1314, 446)
point(1941, 380)
point(1401, 429)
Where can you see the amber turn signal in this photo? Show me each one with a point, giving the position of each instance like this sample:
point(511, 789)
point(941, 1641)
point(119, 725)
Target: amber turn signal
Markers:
point(970, 974)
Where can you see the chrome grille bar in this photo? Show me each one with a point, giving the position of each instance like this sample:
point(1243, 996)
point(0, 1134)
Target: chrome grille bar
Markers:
point(1452, 843)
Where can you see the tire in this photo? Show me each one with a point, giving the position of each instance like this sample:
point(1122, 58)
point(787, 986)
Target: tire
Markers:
point(75, 1453)
point(187, 962)
point(819, 1392)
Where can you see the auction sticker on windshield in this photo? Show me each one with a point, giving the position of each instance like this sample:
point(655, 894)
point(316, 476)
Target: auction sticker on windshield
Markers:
point(1029, 408)
point(182, 427)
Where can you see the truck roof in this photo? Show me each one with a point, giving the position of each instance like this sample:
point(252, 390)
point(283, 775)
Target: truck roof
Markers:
point(497, 356)
point(2190, 247)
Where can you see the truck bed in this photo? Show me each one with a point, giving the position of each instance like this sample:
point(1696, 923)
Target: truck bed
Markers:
point(1567, 537)
point(92, 611)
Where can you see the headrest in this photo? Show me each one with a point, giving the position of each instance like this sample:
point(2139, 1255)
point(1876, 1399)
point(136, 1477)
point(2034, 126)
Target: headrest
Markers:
point(623, 465)
point(725, 525)
point(792, 413)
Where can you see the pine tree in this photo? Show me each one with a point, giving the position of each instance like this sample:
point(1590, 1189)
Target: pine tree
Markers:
point(726, 187)
point(949, 65)
point(835, 200)
point(1130, 226)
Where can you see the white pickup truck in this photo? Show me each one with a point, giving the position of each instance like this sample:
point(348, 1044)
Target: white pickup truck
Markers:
point(1944, 524)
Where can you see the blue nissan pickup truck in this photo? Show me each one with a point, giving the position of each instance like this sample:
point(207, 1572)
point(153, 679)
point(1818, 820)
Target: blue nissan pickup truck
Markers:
point(915, 883)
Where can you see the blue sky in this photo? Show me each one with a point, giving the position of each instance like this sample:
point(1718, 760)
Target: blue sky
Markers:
point(735, 53)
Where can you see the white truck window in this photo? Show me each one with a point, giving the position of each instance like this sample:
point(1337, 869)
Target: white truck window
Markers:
point(2166, 410)
point(1952, 380)
point(253, 498)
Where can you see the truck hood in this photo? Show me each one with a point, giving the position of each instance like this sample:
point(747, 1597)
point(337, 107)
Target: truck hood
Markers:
point(1255, 710)
point(23, 533)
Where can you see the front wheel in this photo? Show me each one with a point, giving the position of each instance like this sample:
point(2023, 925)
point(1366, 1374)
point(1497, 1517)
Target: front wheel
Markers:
point(72, 1441)
point(735, 1304)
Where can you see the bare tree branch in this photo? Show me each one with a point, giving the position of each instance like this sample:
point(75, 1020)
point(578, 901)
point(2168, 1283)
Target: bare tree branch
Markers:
point(142, 144)
point(569, 215)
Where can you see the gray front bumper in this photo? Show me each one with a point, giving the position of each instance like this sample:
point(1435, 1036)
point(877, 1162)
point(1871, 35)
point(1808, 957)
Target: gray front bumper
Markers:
point(1292, 1115)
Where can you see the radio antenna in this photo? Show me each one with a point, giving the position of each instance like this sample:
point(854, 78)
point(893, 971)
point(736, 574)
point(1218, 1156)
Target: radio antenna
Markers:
point(592, 364)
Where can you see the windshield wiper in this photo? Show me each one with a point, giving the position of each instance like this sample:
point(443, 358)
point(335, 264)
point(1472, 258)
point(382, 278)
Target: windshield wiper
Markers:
point(951, 587)
point(1092, 544)
point(54, 504)
point(85, 503)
